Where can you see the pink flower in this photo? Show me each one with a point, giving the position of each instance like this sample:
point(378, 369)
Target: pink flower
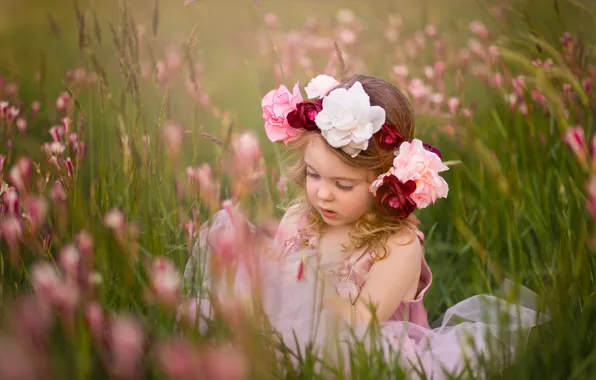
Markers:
point(22, 125)
point(246, 147)
point(57, 132)
point(11, 231)
point(63, 102)
point(57, 192)
point(498, 80)
point(127, 340)
point(453, 104)
point(4, 109)
point(69, 260)
point(20, 174)
point(94, 316)
point(431, 31)
point(205, 178)
point(467, 113)
point(173, 135)
point(165, 281)
point(591, 202)
point(45, 279)
point(225, 363)
point(276, 105)
point(415, 163)
point(439, 68)
point(400, 71)
point(179, 360)
point(271, 20)
point(36, 210)
point(66, 124)
point(519, 84)
point(574, 137)
point(69, 167)
point(538, 97)
point(479, 29)
point(12, 114)
point(114, 220)
point(11, 201)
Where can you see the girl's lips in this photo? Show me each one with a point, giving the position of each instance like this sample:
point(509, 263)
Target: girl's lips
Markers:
point(328, 214)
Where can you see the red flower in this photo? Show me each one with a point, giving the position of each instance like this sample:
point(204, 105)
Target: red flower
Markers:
point(393, 197)
point(388, 137)
point(431, 148)
point(303, 117)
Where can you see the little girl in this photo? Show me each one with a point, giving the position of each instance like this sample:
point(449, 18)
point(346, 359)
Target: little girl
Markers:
point(348, 250)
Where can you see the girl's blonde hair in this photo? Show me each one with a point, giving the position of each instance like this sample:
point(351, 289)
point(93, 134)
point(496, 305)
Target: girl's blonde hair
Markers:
point(373, 229)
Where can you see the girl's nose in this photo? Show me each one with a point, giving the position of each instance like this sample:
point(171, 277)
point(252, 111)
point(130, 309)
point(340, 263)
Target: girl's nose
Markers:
point(324, 194)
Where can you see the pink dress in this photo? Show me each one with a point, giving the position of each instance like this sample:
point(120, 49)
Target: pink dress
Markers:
point(293, 287)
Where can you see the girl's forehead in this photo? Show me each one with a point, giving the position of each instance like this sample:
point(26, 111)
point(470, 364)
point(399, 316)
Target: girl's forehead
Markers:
point(321, 158)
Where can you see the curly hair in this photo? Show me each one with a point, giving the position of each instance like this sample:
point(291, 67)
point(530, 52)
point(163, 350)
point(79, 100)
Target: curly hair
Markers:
point(373, 229)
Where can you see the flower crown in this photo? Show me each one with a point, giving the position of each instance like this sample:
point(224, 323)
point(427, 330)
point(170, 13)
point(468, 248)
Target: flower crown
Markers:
point(347, 121)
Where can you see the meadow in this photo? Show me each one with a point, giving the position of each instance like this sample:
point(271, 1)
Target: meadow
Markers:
point(125, 125)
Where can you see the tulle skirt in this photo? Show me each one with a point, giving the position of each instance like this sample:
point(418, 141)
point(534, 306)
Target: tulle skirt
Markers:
point(477, 334)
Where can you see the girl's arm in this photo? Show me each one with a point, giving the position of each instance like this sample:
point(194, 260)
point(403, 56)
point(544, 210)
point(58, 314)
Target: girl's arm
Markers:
point(388, 281)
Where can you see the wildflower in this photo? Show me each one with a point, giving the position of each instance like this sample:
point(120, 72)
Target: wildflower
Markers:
point(57, 133)
point(453, 104)
point(69, 260)
point(179, 360)
point(431, 31)
point(479, 29)
point(11, 231)
point(165, 281)
point(20, 173)
point(36, 210)
point(127, 339)
point(574, 138)
point(94, 316)
point(45, 279)
point(400, 71)
point(12, 114)
point(173, 135)
point(591, 201)
point(63, 102)
point(57, 193)
point(21, 125)
point(11, 200)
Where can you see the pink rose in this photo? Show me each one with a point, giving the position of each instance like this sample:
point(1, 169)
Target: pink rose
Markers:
point(415, 163)
point(276, 105)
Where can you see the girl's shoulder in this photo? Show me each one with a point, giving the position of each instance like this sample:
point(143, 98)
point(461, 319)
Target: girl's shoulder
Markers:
point(405, 243)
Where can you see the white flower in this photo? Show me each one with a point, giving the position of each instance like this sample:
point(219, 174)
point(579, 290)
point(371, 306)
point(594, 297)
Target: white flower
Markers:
point(319, 86)
point(348, 121)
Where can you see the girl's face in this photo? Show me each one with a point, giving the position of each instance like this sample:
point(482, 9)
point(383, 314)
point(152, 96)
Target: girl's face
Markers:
point(338, 191)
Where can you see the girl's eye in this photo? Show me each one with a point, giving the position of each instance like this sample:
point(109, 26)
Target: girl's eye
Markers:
point(312, 175)
point(343, 187)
